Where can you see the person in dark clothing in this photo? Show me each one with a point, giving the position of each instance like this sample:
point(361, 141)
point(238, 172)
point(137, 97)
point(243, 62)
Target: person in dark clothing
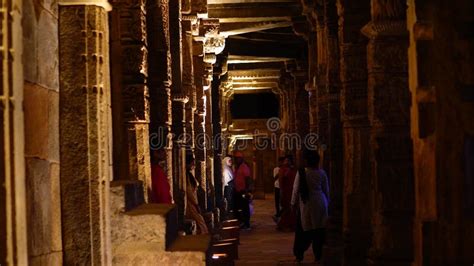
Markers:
point(311, 199)
point(276, 178)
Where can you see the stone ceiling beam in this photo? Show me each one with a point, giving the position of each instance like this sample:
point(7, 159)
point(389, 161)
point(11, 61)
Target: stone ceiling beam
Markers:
point(254, 10)
point(239, 46)
point(228, 29)
point(255, 85)
point(254, 74)
point(236, 81)
point(274, 65)
point(287, 38)
point(253, 19)
point(252, 90)
point(239, 59)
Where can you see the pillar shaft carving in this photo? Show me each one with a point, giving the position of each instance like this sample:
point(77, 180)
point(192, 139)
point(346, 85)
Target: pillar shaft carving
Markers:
point(13, 209)
point(188, 82)
point(160, 79)
point(390, 142)
point(209, 133)
point(200, 131)
point(179, 100)
point(130, 97)
point(220, 69)
point(356, 131)
point(328, 109)
point(83, 134)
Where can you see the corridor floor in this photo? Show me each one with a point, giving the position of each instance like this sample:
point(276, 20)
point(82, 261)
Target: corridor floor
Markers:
point(264, 245)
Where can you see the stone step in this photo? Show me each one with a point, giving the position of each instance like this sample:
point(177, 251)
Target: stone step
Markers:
point(230, 232)
point(219, 259)
point(195, 249)
point(126, 194)
point(230, 222)
point(229, 248)
point(132, 254)
point(133, 220)
point(147, 233)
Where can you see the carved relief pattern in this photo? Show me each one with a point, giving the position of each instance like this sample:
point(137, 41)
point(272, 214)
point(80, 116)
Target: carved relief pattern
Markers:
point(134, 61)
point(389, 114)
point(388, 10)
point(136, 105)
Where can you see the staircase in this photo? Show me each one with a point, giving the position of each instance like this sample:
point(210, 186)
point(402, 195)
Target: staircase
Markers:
point(147, 234)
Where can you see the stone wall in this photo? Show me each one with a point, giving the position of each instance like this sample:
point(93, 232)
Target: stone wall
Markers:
point(442, 130)
point(41, 99)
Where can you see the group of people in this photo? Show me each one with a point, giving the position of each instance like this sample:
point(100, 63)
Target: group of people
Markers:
point(301, 202)
point(161, 191)
point(238, 185)
point(301, 196)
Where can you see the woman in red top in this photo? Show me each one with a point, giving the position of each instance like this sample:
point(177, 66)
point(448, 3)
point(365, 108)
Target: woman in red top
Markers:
point(160, 187)
point(287, 178)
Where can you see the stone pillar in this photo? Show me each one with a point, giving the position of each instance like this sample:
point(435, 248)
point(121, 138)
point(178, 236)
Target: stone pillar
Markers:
point(301, 110)
point(199, 126)
point(220, 69)
point(329, 116)
point(311, 85)
point(13, 233)
point(209, 44)
point(178, 110)
point(84, 92)
point(391, 146)
point(159, 82)
point(442, 129)
point(356, 131)
point(288, 86)
point(129, 74)
point(188, 79)
point(209, 133)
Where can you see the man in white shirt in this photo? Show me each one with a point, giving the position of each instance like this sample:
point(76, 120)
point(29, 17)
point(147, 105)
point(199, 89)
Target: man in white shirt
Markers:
point(276, 177)
point(228, 182)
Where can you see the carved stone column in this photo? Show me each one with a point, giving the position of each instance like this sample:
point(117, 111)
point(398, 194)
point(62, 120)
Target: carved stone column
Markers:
point(390, 142)
point(356, 130)
point(329, 116)
point(83, 75)
point(180, 99)
point(13, 196)
point(159, 82)
point(301, 110)
point(130, 88)
point(220, 69)
point(212, 44)
point(188, 79)
point(209, 132)
point(287, 84)
point(199, 126)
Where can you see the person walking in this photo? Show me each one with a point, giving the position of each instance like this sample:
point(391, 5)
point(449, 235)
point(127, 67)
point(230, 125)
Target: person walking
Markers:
point(243, 187)
point(311, 199)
